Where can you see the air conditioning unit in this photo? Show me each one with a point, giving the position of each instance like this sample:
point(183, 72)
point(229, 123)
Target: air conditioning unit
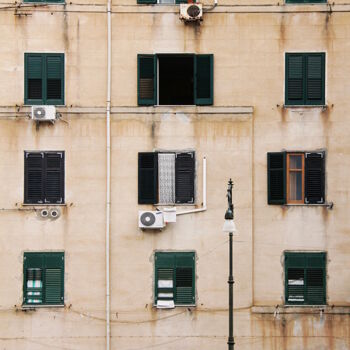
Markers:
point(43, 113)
point(151, 219)
point(191, 12)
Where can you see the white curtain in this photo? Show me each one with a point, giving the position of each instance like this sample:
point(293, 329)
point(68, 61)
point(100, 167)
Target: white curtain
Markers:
point(166, 178)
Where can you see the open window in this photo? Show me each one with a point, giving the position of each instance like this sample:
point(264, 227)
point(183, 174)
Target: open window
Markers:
point(296, 177)
point(173, 79)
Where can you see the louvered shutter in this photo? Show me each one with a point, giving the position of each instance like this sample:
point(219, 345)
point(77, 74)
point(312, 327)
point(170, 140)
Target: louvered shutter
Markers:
point(305, 278)
point(147, 178)
point(54, 79)
point(184, 177)
point(315, 279)
point(33, 178)
point(204, 79)
point(146, 1)
point(294, 79)
point(164, 276)
point(314, 178)
point(276, 178)
point(315, 78)
point(33, 79)
point(185, 277)
point(147, 79)
point(54, 177)
point(54, 278)
point(32, 278)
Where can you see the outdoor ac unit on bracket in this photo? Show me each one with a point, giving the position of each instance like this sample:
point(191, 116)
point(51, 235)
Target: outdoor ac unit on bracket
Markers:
point(44, 113)
point(191, 12)
point(151, 220)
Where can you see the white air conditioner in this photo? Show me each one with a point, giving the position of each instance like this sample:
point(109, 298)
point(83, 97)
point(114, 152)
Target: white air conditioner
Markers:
point(151, 219)
point(43, 113)
point(191, 12)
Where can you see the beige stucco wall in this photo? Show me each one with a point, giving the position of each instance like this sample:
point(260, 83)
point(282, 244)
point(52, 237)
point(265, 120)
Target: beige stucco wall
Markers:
point(249, 44)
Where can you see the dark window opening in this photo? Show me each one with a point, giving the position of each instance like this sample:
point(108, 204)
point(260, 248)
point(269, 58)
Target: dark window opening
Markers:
point(35, 89)
point(54, 89)
point(176, 83)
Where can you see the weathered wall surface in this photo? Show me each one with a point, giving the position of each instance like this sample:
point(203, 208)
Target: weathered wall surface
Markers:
point(248, 44)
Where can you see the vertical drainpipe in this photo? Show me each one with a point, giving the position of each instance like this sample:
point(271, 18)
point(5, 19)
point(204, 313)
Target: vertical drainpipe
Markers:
point(108, 180)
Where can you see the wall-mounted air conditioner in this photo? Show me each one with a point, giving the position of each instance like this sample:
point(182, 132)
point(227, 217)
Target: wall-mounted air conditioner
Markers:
point(191, 12)
point(151, 219)
point(43, 113)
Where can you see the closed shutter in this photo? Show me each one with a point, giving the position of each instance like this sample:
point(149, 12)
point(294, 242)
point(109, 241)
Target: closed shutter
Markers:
point(276, 178)
point(204, 77)
point(305, 278)
point(54, 79)
point(182, 1)
point(164, 276)
point(147, 79)
point(184, 178)
point(294, 79)
point(314, 178)
point(54, 177)
point(33, 79)
point(54, 278)
point(32, 278)
point(315, 81)
point(185, 277)
point(33, 178)
point(147, 178)
point(146, 1)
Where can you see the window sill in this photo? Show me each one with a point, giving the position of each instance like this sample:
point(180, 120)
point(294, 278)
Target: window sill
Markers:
point(43, 205)
point(301, 309)
point(328, 205)
point(33, 307)
point(323, 107)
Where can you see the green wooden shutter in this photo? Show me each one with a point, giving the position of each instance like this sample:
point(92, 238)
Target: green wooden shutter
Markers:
point(32, 271)
point(181, 1)
point(165, 273)
point(184, 177)
point(315, 79)
point(185, 279)
point(276, 178)
point(147, 80)
point(316, 279)
point(54, 278)
point(146, 1)
point(33, 177)
point(33, 79)
point(54, 177)
point(54, 64)
point(147, 178)
point(294, 90)
point(204, 79)
point(314, 178)
point(305, 278)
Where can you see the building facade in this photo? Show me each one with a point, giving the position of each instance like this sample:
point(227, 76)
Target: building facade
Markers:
point(257, 91)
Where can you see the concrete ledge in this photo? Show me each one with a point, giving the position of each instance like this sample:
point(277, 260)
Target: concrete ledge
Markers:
point(307, 309)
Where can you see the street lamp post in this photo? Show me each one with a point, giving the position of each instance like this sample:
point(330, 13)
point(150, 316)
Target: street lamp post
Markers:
point(230, 227)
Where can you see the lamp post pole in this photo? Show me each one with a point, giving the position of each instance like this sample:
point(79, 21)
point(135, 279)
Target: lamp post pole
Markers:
point(229, 216)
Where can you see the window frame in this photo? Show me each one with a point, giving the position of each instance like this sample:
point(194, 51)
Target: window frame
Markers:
point(305, 101)
point(307, 266)
point(156, 178)
point(44, 100)
point(313, 192)
point(175, 256)
point(45, 265)
point(197, 100)
point(288, 171)
point(43, 200)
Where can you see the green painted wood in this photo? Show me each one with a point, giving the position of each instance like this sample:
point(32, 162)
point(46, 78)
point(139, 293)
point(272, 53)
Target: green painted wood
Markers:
point(33, 177)
point(54, 177)
point(44, 79)
point(309, 269)
point(146, 80)
point(276, 178)
point(147, 177)
point(315, 178)
point(204, 79)
point(141, 2)
point(184, 177)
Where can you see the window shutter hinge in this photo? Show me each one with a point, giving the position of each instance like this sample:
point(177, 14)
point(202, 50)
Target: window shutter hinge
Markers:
point(42, 154)
point(306, 200)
